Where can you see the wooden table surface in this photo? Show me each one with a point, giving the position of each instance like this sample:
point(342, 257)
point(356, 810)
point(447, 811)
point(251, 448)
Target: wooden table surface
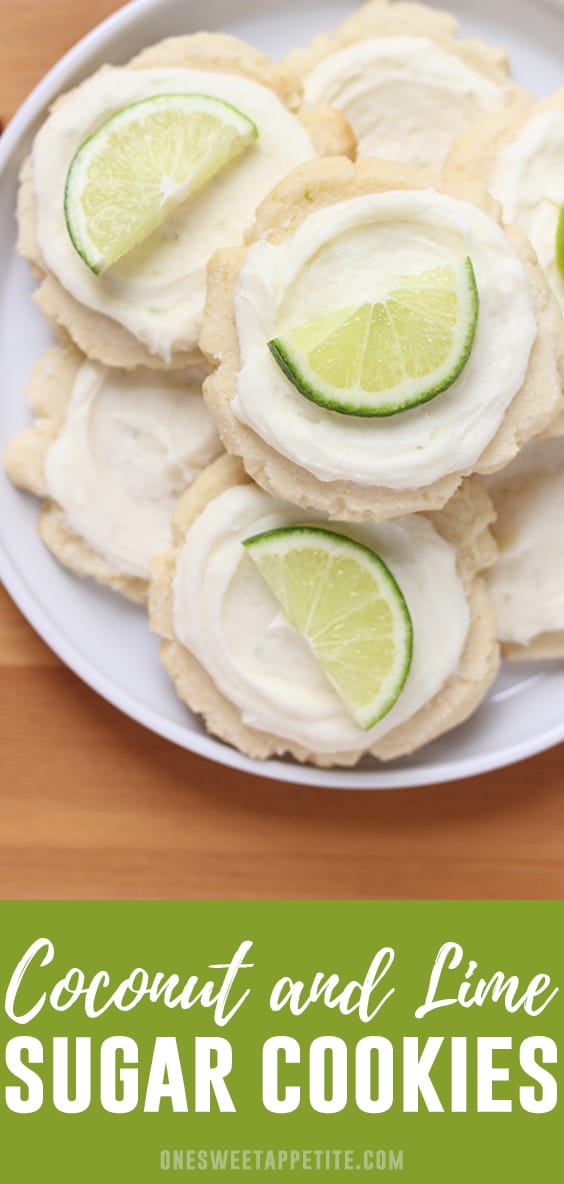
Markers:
point(94, 806)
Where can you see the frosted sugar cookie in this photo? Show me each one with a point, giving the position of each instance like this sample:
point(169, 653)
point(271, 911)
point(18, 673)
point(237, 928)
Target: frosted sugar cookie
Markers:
point(146, 309)
point(519, 156)
point(260, 685)
point(527, 582)
point(110, 453)
point(403, 80)
point(379, 338)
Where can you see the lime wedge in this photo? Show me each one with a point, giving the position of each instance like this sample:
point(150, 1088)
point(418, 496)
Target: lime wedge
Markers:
point(384, 357)
point(349, 609)
point(141, 163)
point(560, 242)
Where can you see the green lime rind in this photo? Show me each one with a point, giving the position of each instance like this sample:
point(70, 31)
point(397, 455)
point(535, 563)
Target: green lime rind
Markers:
point(291, 363)
point(77, 223)
point(280, 543)
point(560, 243)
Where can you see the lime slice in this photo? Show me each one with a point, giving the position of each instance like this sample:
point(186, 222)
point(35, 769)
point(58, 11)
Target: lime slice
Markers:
point(349, 609)
point(560, 242)
point(384, 357)
point(141, 163)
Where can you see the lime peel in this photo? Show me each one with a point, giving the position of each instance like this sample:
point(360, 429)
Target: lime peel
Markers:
point(560, 243)
point(385, 357)
point(142, 162)
point(346, 604)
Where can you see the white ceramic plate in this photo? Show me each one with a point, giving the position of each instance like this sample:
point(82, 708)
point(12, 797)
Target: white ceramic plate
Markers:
point(102, 638)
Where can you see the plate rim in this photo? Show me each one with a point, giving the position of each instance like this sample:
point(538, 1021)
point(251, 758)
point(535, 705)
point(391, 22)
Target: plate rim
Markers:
point(203, 745)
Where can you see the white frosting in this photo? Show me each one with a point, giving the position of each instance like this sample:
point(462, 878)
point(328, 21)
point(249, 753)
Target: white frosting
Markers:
point(157, 291)
point(131, 443)
point(350, 253)
point(528, 180)
point(226, 615)
point(406, 98)
point(527, 582)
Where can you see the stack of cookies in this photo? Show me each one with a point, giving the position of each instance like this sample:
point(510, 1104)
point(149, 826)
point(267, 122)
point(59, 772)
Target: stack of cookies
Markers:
point(306, 400)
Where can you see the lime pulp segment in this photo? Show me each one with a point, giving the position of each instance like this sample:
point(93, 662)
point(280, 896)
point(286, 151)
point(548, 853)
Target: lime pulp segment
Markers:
point(380, 358)
point(344, 601)
point(141, 163)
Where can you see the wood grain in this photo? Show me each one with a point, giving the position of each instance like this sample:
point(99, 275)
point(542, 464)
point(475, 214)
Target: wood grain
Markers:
point(94, 806)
